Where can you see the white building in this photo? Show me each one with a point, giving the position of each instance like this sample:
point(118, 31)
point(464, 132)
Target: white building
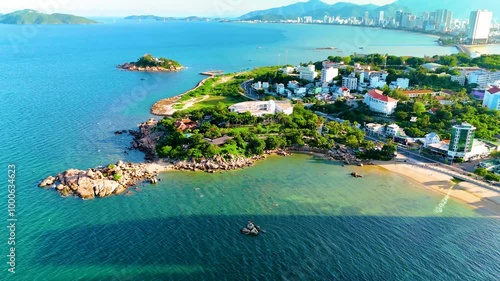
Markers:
point(375, 82)
point(492, 98)
point(257, 86)
point(261, 108)
point(308, 19)
point(288, 70)
point(301, 91)
point(310, 67)
point(280, 89)
point(392, 130)
point(375, 129)
point(479, 26)
point(327, 74)
point(380, 103)
point(293, 85)
point(483, 78)
point(459, 78)
point(350, 82)
point(403, 83)
point(308, 75)
point(341, 93)
point(431, 138)
point(265, 85)
point(327, 64)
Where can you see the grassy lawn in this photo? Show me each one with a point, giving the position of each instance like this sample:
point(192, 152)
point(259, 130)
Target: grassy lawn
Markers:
point(178, 106)
point(214, 100)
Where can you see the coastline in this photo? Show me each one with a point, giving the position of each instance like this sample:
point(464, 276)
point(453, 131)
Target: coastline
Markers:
point(165, 107)
point(484, 201)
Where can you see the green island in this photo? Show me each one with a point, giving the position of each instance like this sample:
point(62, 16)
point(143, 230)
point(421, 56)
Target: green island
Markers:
point(148, 63)
point(35, 17)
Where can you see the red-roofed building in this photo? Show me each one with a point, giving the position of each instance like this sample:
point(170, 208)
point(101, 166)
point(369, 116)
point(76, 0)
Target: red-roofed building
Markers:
point(492, 98)
point(378, 102)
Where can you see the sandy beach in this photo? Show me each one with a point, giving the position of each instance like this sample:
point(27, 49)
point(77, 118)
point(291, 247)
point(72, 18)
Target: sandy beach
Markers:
point(485, 201)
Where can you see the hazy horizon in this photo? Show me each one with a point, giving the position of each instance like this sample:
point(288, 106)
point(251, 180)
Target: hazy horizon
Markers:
point(167, 8)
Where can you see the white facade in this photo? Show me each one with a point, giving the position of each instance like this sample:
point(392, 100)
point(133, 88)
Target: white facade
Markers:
point(380, 103)
point(483, 78)
point(310, 67)
point(280, 89)
point(265, 85)
point(479, 26)
point(350, 82)
point(375, 82)
point(261, 108)
point(308, 75)
point(327, 74)
point(341, 93)
point(392, 130)
point(431, 138)
point(301, 91)
point(403, 83)
point(492, 98)
point(293, 85)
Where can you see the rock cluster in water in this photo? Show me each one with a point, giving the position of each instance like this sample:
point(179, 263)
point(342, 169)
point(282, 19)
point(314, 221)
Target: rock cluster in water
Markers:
point(102, 181)
point(251, 229)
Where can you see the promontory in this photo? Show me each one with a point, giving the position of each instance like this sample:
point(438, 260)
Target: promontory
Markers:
point(148, 63)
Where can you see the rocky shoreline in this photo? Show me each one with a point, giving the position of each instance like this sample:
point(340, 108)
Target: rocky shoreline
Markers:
point(135, 68)
point(164, 107)
point(102, 181)
point(115, 179)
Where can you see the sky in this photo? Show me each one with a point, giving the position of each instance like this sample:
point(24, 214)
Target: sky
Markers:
point(103, 8)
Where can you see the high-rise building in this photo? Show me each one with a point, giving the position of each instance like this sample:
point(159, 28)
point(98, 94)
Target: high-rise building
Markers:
point(479, 26)
point(381, 18)
point(366, 19)
point(462, 140)
point(443, 20)
point(399, 17)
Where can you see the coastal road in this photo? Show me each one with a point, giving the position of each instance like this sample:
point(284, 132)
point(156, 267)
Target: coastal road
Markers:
point(249, 91)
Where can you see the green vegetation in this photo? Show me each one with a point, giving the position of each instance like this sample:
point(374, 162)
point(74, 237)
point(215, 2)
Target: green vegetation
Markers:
point(34, 17)
point(150, 61)
point(250, 135)
point(486, 174)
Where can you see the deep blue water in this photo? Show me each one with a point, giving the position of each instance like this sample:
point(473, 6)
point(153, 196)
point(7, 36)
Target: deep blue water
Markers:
point(61, 99)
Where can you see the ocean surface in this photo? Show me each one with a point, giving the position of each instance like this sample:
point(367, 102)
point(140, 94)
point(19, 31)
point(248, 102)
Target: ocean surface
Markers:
point(61, 99)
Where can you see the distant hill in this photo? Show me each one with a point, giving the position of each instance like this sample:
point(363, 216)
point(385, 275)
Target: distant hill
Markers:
point(34, 17)
point(158, 18)
point(290, 11)
point(318, 9)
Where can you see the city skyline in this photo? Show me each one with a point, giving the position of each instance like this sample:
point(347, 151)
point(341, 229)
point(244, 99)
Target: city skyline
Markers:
point(116, 8)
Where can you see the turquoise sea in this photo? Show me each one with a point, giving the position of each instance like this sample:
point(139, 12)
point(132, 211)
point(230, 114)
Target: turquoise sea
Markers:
point(61, 99)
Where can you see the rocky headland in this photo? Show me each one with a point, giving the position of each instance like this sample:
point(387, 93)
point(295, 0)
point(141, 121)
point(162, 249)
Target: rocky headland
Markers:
point(115, 179)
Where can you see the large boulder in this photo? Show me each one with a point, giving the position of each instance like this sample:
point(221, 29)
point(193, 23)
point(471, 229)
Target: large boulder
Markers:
point(48, 182)
point(85, 192)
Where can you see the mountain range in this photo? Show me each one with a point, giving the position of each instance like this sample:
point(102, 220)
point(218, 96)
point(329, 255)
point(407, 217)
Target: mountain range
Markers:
point(318, 9)
point(34, 17)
